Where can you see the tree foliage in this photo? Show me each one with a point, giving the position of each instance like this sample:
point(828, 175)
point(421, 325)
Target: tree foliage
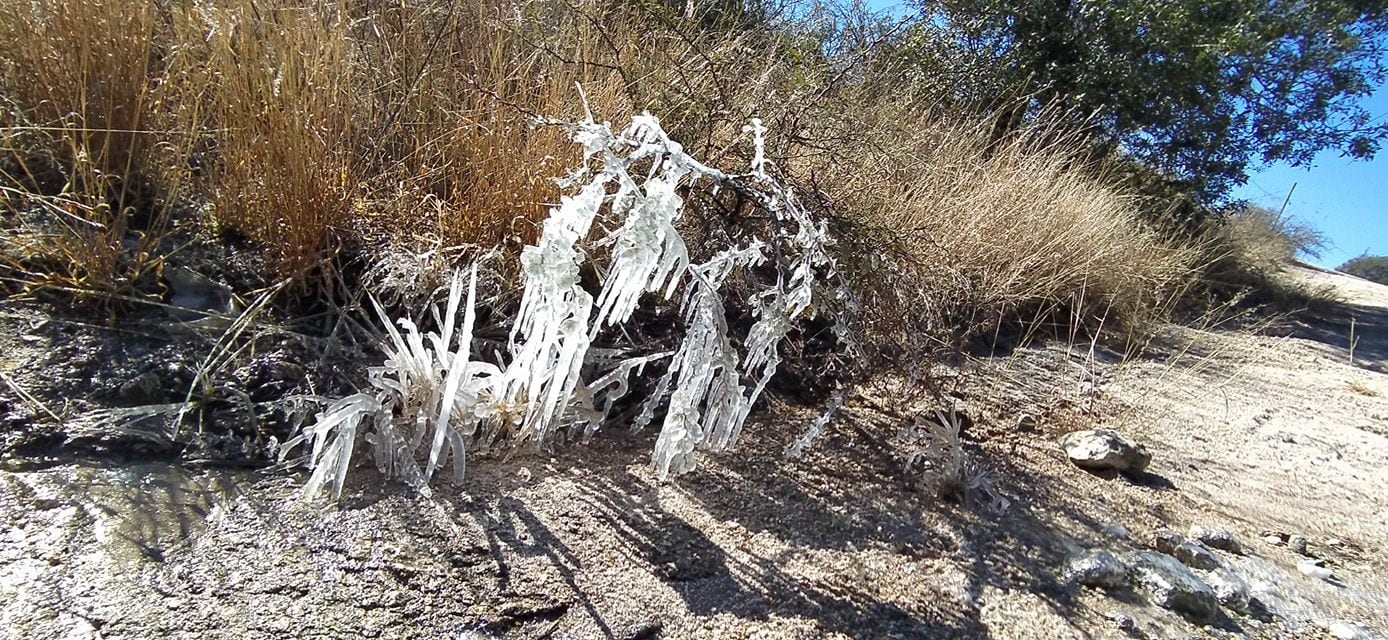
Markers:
point(1199, 90)
point(1373, 268)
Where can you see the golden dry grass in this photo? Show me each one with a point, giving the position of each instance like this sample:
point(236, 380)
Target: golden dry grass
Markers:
point(1361, 389)
point(80, 90)
point(960, 231)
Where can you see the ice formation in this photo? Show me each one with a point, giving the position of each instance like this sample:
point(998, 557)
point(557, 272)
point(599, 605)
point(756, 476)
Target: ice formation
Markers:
point(429, 391)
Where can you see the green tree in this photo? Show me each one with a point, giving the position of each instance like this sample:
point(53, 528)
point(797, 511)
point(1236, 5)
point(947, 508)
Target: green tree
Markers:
point(1373, 268)
point(1197, 89)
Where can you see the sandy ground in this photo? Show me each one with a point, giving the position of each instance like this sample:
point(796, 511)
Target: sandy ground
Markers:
point(1257, 434)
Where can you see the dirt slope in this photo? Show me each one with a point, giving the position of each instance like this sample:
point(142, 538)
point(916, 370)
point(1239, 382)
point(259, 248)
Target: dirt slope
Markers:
point(1253, 433)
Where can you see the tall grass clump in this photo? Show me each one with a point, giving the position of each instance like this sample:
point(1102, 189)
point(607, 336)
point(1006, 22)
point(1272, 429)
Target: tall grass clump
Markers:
point(957, 231)
point(342, 121)
point(1266, 241)
point(84, 153)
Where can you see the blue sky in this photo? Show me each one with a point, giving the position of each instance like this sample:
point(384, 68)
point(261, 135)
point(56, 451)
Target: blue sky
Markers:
point(1346, 200)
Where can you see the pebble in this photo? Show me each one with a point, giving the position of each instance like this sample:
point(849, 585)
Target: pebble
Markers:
point(1315, 570)
point(1125, 622)
point(1297, 543)
point(1344, 631)
point(1216, 538)
point(1167, 540)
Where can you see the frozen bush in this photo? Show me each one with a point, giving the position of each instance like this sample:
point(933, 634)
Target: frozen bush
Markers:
point(429, 391)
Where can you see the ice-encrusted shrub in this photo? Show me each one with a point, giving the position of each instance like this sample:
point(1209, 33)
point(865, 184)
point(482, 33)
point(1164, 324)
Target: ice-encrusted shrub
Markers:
point(431, 400)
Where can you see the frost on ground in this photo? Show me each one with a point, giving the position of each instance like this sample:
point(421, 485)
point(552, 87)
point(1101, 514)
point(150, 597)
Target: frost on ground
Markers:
point(430, 399)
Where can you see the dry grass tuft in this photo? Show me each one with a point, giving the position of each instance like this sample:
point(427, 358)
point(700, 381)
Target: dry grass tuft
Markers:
point(80, 154)
point(409, 123)
point(959, 232)
point(1266, 241)
point(1361, 389)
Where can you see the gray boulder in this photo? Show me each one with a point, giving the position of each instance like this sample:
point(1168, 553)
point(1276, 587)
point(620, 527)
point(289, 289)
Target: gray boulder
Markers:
point(1172, 585)
point(1097, 568)
point(1103, 450)
point(1216, 538)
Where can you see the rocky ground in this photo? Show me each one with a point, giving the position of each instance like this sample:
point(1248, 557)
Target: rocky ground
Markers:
point(1262, 513)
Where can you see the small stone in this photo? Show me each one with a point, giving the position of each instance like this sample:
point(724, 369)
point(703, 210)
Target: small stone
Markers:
point(524, 474)
point(1172, 585)
point(1196, 555)
point(1275, 539)
point(1314, 569)
point(1098, 568)
point(1167, 540)
point(191, 290)
point(1116, 532)
point(1103, 450)
point(146, 387)
point(1297, 543)
point(1125, 622)
point(1345, 631)
point(1231, 590)
point(1216, 538)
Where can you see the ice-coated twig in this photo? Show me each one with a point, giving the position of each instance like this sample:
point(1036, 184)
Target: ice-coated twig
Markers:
point(797, 448)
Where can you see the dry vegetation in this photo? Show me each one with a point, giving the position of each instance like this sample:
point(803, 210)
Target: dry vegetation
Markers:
point(370, 127)
point(960, 231)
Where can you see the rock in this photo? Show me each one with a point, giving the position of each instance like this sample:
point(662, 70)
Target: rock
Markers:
point(1275, 539)
point(1097, 568)
point(1167, 540)
point(191, 290)
point(1297, 543)
point(1173, 586)
point(1196, 555)
point(1314, 569)
point(144, 388)
point(1103, 449)
point(1345, 631)
point(1116, 532)
point(1230, 589)
point(1216, 538)
point(1125, 622)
